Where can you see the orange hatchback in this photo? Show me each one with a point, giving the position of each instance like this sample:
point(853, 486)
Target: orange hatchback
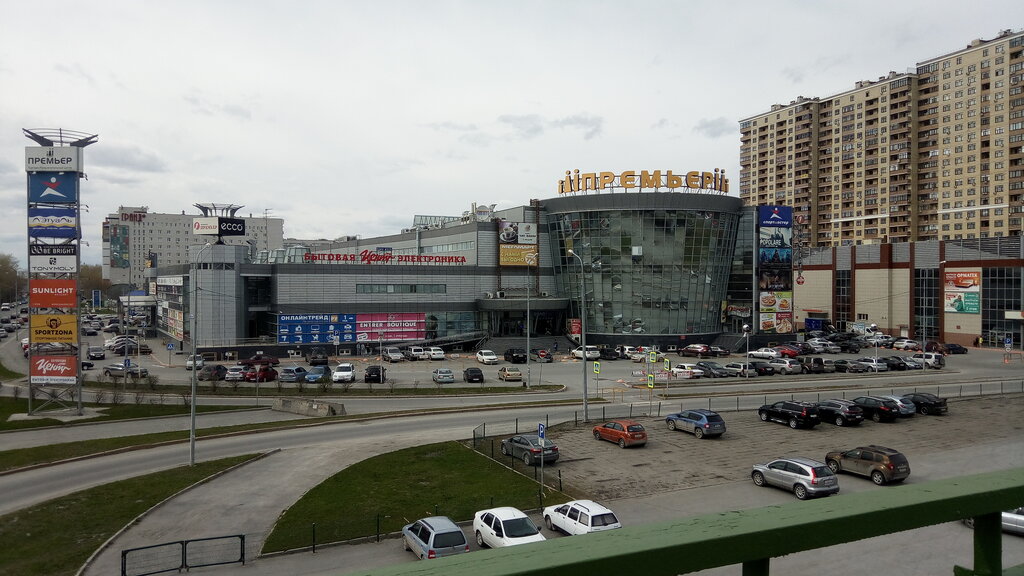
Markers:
point(622, 432)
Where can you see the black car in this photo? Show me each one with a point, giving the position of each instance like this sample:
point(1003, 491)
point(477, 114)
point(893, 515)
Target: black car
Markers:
point(515, 356)
point(317, 357)
point(840, 412)
point(956, 349)
point(96, 353)
point(374, 373)
point(720, 352)
point(713, 370)
point(878, 409)
point(796, 414)
point(848, 346)
point(895, 363)
point(927, 403)
point(473, 375)
point(763, 368)
point(609, 354)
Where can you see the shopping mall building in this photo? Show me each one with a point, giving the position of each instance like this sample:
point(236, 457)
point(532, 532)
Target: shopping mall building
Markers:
point(638, 258)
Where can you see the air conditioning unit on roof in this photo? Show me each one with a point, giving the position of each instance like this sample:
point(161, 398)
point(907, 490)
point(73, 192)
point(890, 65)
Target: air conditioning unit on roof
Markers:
point(499, 294)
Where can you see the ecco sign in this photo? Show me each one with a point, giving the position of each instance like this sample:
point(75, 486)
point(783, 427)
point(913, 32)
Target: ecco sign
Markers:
point(232, 227)
point(215, 226)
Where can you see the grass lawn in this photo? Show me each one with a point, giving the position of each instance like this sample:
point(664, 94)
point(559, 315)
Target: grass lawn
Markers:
point(394, 489)
point(56, 537)
point(9, 406)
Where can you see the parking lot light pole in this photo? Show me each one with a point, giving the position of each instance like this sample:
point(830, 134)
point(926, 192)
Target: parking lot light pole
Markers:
point(874, 335)
point(194, 310)
point(583, 336)
point(531, 260)
point(746, 336)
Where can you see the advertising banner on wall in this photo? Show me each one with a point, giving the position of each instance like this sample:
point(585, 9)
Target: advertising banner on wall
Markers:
point(325, 328)
point(53, 159)
point(52, 258)
point(517, 255)
point(53, 369)
point(52, 223)
point(49, 328)
point(517, 233)
point(964, 302)
point(52, 294)
point(775, 269)
point(53, 187)
point(962, 292)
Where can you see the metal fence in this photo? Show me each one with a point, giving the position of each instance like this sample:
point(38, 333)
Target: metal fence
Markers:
point(183, 555)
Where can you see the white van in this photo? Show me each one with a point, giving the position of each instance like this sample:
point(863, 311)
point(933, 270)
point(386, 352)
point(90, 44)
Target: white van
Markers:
point(930, 359)
point(418, 353)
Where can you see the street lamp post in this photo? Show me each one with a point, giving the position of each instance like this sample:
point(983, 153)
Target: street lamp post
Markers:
point(531, 258)
point(874, 334)
point(583, 335)
point(746, 336)
point(193, 309)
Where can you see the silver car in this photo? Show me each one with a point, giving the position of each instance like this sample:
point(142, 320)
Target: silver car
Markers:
point(434, 537)
point(804, 477)
point(1012, 521)
point(907, 408)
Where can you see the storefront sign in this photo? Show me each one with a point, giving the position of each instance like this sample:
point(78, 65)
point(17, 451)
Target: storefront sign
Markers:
point(693, 181)
point(53, 187)
point(53, 369)
point(517, 255)
point(52, 223)
point(373, 257)
point(52, 294)
point(61, 328)
point(53, 159)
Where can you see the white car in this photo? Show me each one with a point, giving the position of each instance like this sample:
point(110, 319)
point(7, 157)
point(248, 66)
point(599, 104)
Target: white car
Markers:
point(906, 345)
point(235, 374)
point(194, 362)
point(645, 356)
point(580, 517)
point(505, 526)
point(821, 345)
point(486, 357)
point(766, 353)
point(786, 366)
point(435, 353)
point(593, 353)
point(687, 371)
point(344, 372)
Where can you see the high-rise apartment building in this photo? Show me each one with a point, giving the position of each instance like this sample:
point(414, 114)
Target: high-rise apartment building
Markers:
point(936, 152)
point(135, 239)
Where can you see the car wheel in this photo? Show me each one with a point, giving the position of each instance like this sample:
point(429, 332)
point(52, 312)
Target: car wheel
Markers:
point(480, 540)
point(763, 416)
point(526, 458)
point(876, 417)
point(833, 465)
point(622, 443)
point(547, 522)
point(504, 449)
point(405, 544)
point(878, 478)
point(924, 410)
point(597, 435)
point(106, 373)
point(793, 423)
point(698, 432)
point(671, 424)
point(758, 478)
point(840, 421)
point(800, 491)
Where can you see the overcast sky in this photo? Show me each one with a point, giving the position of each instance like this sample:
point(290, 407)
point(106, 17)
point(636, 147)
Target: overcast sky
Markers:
point(352, 117)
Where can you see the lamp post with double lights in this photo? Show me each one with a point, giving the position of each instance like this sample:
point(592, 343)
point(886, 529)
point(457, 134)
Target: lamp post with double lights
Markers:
point(531, 260)
point(874, 336)
point(194, 311)
point(746, 336)
point(583, 334)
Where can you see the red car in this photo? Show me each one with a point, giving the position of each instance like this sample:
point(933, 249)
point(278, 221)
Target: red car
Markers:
point(260, 373)
point(622, 432)
point(787, 352)
point(259, 359)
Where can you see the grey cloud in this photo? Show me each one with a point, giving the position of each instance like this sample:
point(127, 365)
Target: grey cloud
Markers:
point(660, 124)
point(527, 126)
point(203, 106)
point(795, 75)
point(76, 71)
point(452, 126)
point(129, 157)
point(715, 127)
point(591, 125)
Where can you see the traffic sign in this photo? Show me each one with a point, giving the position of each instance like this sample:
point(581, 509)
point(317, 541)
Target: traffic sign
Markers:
point(653, 356)
point(668, 364)
point(540, 430)
point(650, 380)
point(800, 280)
point(170, 345)
point(1008, 344)
point(597, 367)
point(127, 362)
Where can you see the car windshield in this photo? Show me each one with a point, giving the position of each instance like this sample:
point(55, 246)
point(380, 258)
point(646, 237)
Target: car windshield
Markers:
point(519, 527)
point(606, 519)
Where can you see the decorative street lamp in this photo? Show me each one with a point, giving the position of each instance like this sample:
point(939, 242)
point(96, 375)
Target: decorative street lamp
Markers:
point(194, 309)
point(583, 335)
point(874, 335)
point(531, 260)
point(746, 336)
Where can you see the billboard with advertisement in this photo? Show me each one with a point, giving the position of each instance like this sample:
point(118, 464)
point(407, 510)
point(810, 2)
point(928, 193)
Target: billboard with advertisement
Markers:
point(52, 294)
point(775, 269)
point(325, 328)
point(53, 159)
point(48, 328)
point(962, 292)
point(53, 369)
point(517, 255)
point(52, 223)
point(53, 187)
point(517, 232)
point(962, 302)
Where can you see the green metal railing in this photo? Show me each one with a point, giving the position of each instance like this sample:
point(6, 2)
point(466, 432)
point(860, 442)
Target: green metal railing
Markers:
point(752, 538)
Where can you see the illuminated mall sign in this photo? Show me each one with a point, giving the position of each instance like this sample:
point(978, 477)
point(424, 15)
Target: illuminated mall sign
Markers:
point(376, 257)
point(656, 180)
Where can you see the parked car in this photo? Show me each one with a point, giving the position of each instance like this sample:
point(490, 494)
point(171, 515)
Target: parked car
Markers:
point(436, 353)
point(766, 353)
point(699, 422)
point(391, 354)
point(878, 409)
point(719, 352)
point(907, 408)
point(840, 412)
point(930, 359)
point(935, 346)
point(883, 465)
point(541, 355)
point(443, 376)
point(527, 447)
point(696, 350)
point(850, 366)
point(763, 368)
point(906, 344)
point(648, 355)
point(795, 414)
point(127, 349)
point(804, 477)
point(515, 356)
point(473, 375)
point(953, 349)
point(816, 365)
point(592, 353)
point(874, 364)
point(235, 373)
point(848, 346)
point(506, 526)
point(260, 373)
point(622, 432)
point(194, 361)
point(86, 330)
point(434, 537)
point(344, 372)
point(486, 357)
point(714, 369)
point(580, 517)
point(1011, 521)
point(687, 371)
point(509, 374)
point(375, 373)
point(823, 346)
point(317, 357)
point(606, 353)
point(741, 369)
point(786, 366)
point(625, 351)
point(212, 372)
point(414, 353)
point(119, 371)
point(895, 363)
point(786, 352)
point(96, 353)
point(259, 359)
point(927, 403)
point(292, 374)
point(316, 374)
